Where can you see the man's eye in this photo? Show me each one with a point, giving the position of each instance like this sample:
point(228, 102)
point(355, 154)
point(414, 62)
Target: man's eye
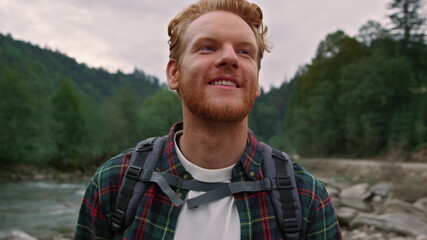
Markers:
point(246, 52)
point(207, 48)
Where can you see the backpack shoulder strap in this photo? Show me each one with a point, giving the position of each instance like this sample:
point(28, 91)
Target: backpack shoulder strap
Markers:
point(145, 156)
point(285, 200)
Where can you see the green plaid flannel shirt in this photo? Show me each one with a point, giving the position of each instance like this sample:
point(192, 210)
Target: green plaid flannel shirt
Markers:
point(156, 217)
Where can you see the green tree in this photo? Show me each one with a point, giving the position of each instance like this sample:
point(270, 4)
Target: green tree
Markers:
point(372, 90)
point(371, 32)
point(264, 121)
point(24, 136)
point(313, 121)
point(69, 125)
point(402, 130)
point(160, 112)
point(126, 119)
point(407, 21)
point(122, 127)
point(421, 119)
point(408, 27)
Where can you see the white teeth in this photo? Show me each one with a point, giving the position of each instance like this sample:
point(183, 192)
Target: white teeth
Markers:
point(224, 82)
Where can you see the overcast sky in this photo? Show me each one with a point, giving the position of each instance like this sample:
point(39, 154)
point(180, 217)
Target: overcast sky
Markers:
point(128, 34)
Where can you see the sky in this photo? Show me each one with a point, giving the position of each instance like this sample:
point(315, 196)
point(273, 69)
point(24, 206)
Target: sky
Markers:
point(128, 34)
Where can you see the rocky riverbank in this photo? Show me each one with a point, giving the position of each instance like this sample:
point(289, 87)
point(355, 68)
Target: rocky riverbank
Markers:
point(372, 202)
point(371, 213)
point(376, 200)
point(364, 212)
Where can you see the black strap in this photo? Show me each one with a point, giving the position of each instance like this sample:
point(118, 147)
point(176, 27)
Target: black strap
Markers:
point(290, 223)
point(131, 177)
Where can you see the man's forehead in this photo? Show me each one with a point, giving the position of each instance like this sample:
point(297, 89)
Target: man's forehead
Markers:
point(214, 25)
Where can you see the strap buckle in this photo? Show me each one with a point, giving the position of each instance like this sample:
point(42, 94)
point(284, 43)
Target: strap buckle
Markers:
point(278, 155)
point(290, 225)
point(145, 147)
point(284, 183)
point(133, 172)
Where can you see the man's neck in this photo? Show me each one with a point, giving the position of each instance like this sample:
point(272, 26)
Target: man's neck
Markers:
point(212, 144)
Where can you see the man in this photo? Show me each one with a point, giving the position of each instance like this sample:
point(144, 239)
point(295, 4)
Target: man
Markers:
point(216, 47)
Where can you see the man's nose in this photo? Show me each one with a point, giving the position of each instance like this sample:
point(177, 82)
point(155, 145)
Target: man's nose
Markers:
point(228, 58)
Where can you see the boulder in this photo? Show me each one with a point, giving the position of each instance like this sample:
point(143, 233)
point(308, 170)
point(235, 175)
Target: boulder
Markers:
point(383, 189)
point(359, 191)
point(345, 215)
point(355, 203)
point(401, 223)
point(421, 237)
point(421, 204)
point(399, 206)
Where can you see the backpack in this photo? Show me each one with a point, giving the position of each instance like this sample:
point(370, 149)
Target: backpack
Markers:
point(279, 181)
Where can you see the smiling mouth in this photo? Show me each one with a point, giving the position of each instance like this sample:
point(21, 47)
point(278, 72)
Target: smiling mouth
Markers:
point(224, 83)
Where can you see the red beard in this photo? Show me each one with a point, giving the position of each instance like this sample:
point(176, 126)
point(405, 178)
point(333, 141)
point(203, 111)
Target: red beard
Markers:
point(195, 100)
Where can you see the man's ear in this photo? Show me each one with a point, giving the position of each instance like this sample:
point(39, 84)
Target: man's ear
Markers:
point(172, 74)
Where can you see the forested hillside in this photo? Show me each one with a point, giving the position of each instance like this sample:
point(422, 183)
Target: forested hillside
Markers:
point(363, 95)
point(55, 111)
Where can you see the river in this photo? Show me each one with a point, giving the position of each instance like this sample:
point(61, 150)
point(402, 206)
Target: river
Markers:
point(40, 208)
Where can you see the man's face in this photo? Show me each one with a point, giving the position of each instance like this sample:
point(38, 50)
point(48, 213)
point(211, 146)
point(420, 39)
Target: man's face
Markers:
point(217, 77)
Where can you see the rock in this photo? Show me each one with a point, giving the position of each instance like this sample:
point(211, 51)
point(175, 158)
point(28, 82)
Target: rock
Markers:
point(421, 237)
point(401, 223)
point(395, 236)
point(345, 215)
point(18, 235)
point(365, 233)
point(421, 204)
point(357, 204)
point(377, 199)
point(360, 235)
point(359, 191)
point(398, 206)
point(383, 189)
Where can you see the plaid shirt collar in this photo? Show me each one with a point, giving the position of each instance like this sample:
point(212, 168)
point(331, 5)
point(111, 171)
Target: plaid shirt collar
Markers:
point(249, 164)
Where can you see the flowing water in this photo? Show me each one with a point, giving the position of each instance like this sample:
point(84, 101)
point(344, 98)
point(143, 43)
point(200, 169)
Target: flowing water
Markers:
point(41, 209)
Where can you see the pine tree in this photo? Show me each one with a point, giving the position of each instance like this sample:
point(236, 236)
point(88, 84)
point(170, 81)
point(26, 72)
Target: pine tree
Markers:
point(408, 24)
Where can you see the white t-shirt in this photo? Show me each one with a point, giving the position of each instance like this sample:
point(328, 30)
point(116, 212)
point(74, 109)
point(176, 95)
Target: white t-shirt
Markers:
point(214, 220)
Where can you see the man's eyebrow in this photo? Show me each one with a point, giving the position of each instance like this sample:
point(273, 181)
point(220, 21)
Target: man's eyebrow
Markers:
point(248, 44)
point(204, 39)
point(200, 40)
